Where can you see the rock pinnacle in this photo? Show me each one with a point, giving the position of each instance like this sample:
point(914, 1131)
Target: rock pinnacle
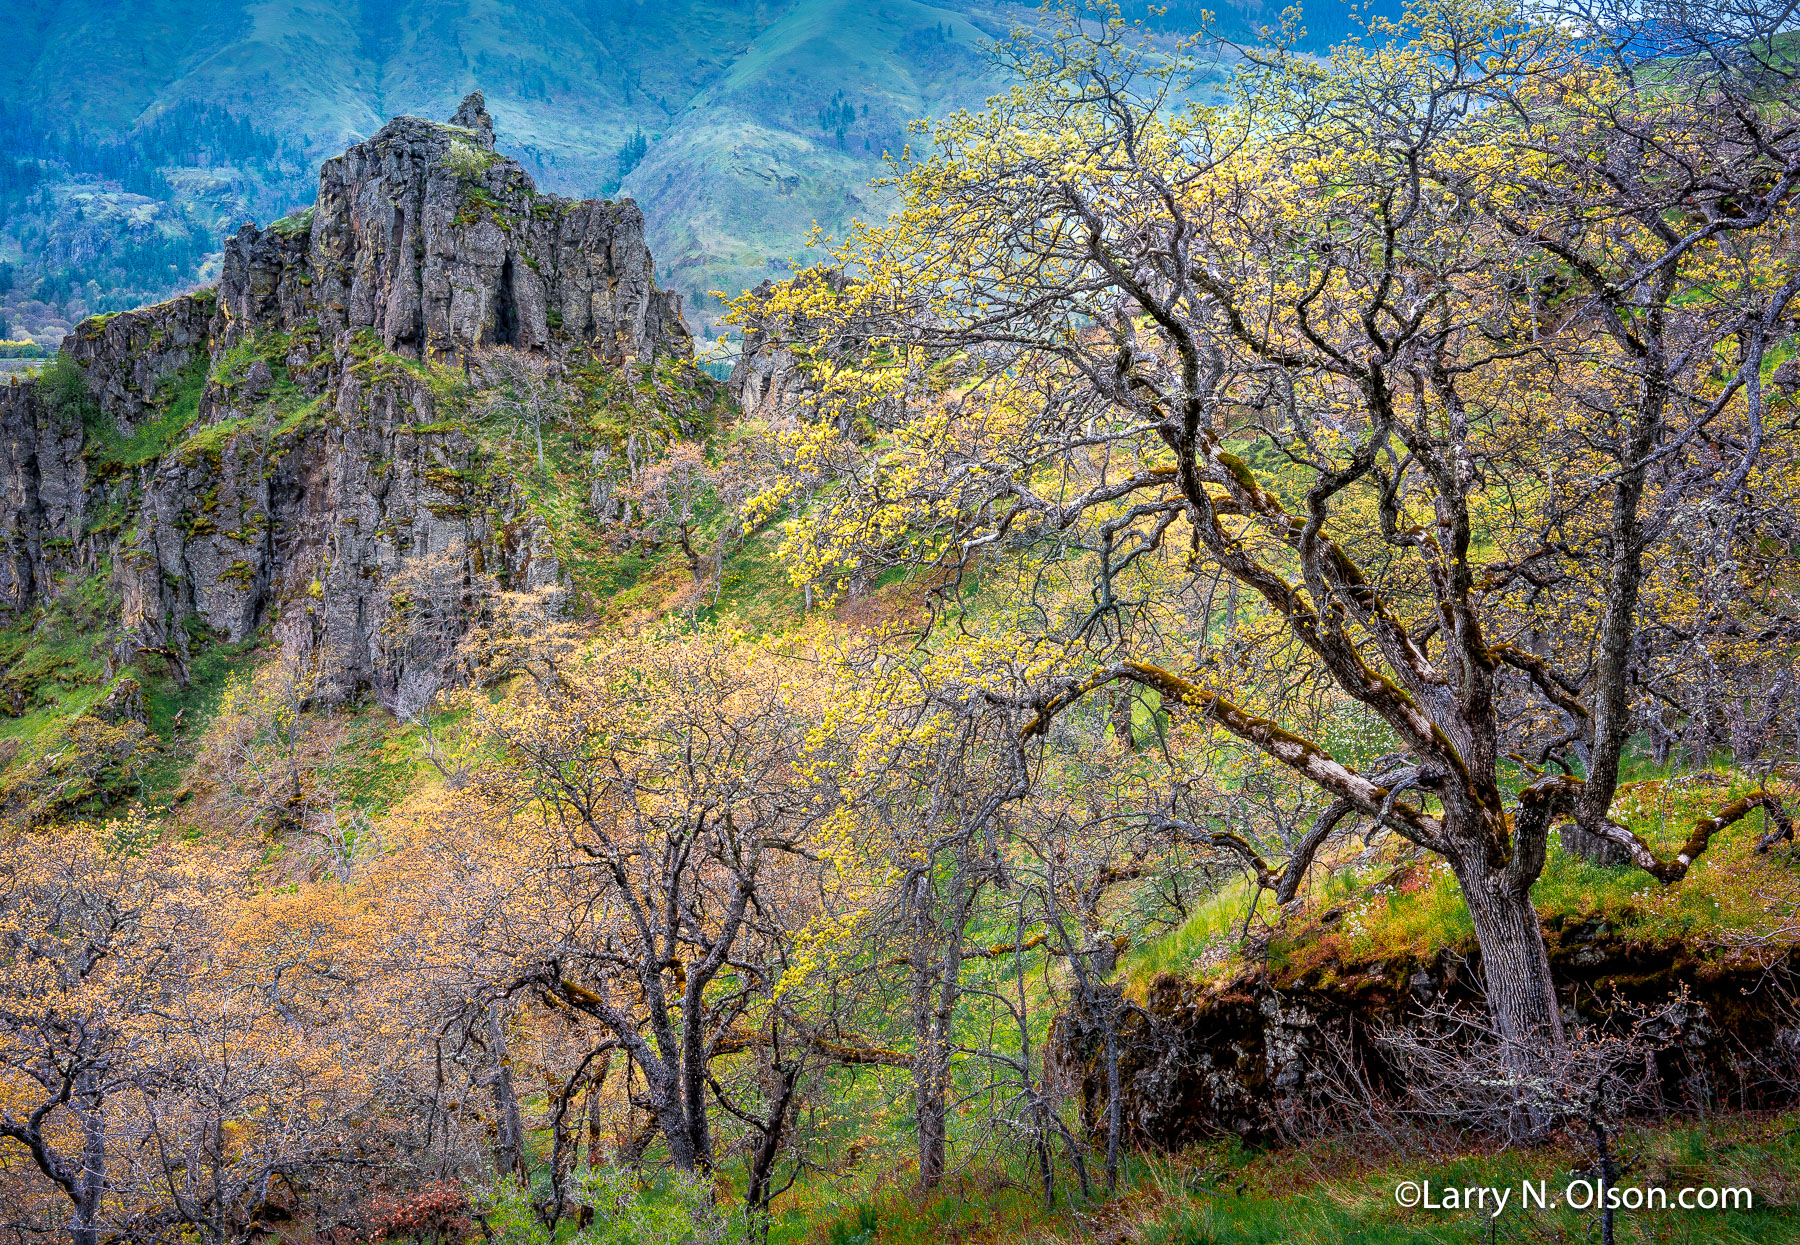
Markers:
point(473, 115)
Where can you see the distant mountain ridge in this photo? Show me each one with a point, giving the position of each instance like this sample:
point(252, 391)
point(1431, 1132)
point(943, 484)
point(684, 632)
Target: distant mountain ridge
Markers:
point(736, 124)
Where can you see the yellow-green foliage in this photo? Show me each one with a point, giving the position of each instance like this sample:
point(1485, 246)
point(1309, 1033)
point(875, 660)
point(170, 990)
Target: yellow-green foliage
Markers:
point(1413, 906)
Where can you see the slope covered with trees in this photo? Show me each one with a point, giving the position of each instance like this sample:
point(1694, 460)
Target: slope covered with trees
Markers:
point(1223, 648)
point(135, 138)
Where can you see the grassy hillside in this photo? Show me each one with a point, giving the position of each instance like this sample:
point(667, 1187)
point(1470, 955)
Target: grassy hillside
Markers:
point(1329, 1193)
point(795, 130)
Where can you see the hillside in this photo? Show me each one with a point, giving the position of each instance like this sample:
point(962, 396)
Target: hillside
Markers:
point(1221, 670)
point(727, 98)
point(134, 138)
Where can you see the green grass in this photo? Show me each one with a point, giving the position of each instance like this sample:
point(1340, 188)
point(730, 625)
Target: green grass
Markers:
point(1322, 1194)
point(1332, 1192)
point(53, 666)
point(994, 1202)
point(210, 441)
point(1355, 916)
point(466, 159)
point(613, 408)
point(295, 223)
point(1200, 944)
point(53, 674)
point(59, 656)
point(176, 405)
point(280, 414)
point(179, 715)
point(376, 763)
point(753, 592)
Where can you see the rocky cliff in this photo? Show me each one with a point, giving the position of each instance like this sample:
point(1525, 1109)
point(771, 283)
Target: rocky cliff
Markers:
point(440, 246)
point(291, 449)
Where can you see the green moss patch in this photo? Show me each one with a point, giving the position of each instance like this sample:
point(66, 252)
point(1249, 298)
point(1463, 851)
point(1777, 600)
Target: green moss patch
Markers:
point(175, 406)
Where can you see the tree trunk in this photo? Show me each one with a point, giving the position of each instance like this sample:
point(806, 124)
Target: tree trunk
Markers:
point(82, 1228)
point(929, 1100)
point(593, 1118)
point(693, 1083)
point(1040, 1111)
point(90, 1182)
point(1046, 1168)
point(671, 1118)
point(761, 1189)
point(668, 1105)
point(1114, 1107)
point(1611, 678)
point(1515, 968)
point(929, 1090)
point(566, 1145)
point(1121, 718)
point(1515, 964)
point(510, 1144)
point(934, 995)
point(1591, 847)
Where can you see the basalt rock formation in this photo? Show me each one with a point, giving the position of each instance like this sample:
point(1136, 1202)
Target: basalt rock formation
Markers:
point(281, 450)
point(764, 378)
point(1269, 1054)
point(440, 246)
point(771, 379)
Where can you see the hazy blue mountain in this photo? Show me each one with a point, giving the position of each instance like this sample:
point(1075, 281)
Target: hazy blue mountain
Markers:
point(132, 137)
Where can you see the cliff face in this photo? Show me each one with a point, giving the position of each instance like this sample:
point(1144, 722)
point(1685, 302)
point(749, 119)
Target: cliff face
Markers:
point(290, 449)
point(764, 380)
point(440, 246)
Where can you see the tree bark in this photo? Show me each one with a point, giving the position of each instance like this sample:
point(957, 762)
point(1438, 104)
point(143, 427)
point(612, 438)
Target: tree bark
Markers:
point(510, 1144)
point(90, 1182)
point(1592, 847)
point(673, 1122)
point(761, 1190)
point(1515, 965)
point(936, 990)
point(566, 1131)
point(1114, 1107)
point(928, 1087)
point(1515, 968)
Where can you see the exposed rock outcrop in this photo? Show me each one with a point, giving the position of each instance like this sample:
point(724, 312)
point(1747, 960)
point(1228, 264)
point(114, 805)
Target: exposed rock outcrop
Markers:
point(441, 246)
point(42, 485)
point(1265, 1054)
point(129, 355)
point(767, 380)
point(764, 377)
point(290, 449)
